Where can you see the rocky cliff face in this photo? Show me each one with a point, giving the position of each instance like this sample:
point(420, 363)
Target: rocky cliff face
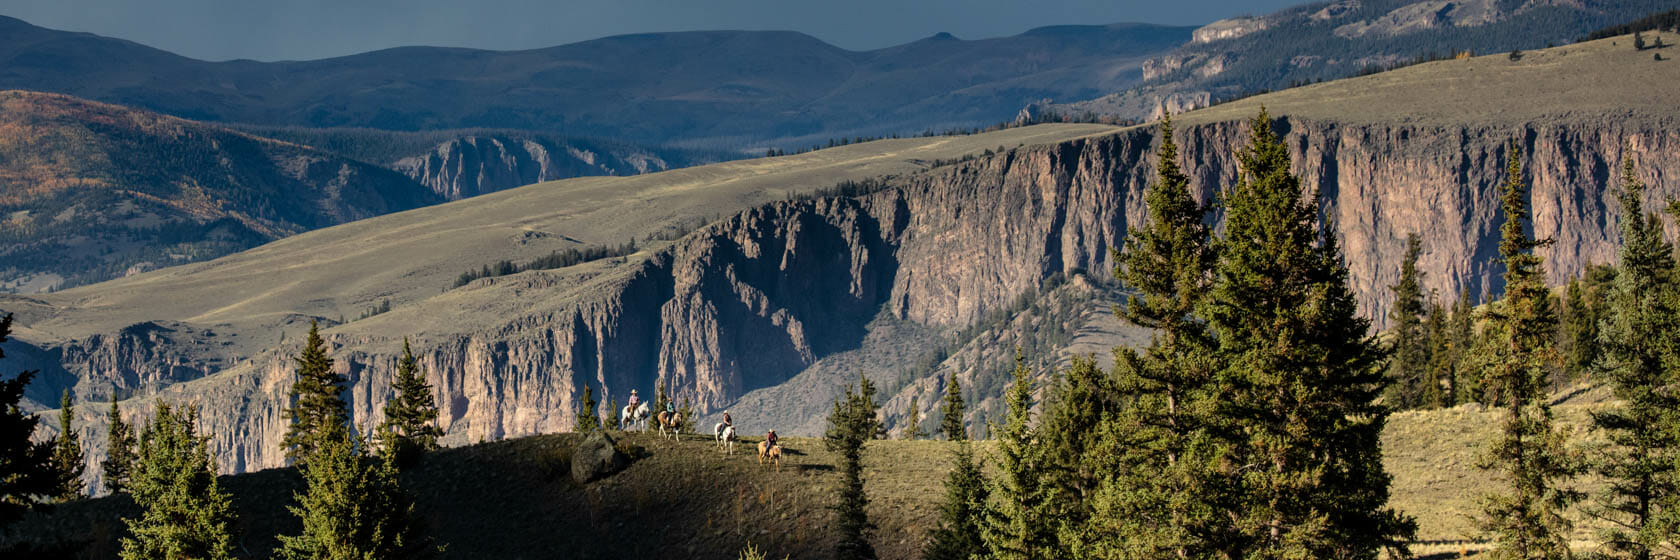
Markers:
point(475, 165)
point(753, 300)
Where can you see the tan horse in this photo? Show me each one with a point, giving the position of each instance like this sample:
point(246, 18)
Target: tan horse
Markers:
point(669, 423)
point(770, 453)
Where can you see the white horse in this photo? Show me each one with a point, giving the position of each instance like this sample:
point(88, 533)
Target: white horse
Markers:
point(725, 437)
point(635, 417)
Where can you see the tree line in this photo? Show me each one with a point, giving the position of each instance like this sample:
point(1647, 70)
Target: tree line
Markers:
point(352, 505)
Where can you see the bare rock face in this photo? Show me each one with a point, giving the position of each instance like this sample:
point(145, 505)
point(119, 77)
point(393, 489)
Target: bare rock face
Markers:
point(1227, 29)
point(755, 299)
point(475, 165)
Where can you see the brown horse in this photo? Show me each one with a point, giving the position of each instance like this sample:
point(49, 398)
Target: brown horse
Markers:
point(669, 423)
point(770, 453)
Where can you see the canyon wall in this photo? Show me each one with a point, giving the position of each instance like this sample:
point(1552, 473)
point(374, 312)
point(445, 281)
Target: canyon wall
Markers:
point(475, 165)
point(754, 299)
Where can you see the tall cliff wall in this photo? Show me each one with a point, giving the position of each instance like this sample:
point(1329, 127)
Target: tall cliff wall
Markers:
point(754, 299)
point(475, 165)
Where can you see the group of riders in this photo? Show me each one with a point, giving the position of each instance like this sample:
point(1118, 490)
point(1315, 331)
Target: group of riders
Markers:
point(671, 408)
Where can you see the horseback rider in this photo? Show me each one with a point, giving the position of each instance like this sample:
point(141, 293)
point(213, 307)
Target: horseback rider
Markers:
point(634, 400)
point(771, 438)
point(726, 421)
point(671, 407)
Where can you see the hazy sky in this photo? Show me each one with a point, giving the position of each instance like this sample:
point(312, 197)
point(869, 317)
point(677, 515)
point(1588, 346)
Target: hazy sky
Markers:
point(306, 29)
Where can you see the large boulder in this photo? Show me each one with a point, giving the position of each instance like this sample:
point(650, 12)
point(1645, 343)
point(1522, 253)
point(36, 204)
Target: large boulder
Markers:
point(596, 457)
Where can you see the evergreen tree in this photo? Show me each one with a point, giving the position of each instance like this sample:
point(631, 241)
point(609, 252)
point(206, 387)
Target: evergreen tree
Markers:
point(318, 410)
point(1436, 329)
point(410, 427)
point(1300, 374)
point(685, 413)
point(1641, 354)
point(614, 419)
point(1408, 366)
point(1154, 491)
point(67, 453)
point(853, 422)
point(913, 421)
point(588, 420)
point(958, 535)
point(1577, 331)
point(1017, 522)
point(1082, 403)
point(120, 459)
point(352, 508)
point(1465, 378)
point(951, 423)
point(185, 513)
point(1527, 522)
point(28, 474)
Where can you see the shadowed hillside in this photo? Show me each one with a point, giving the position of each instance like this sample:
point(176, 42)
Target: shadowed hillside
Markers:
point(92, 191)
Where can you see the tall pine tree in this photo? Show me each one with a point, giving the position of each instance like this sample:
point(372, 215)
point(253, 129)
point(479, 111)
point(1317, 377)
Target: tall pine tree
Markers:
point(1300, 374)
point(1154, 490)
point(1527, 521)
point(1018, 525)
point(410, 427)
point(120, 457)
point(1408, 365)
point(184, 514)
point(853, 423)
point(1465, 377)
point(318, 410)
point(67, 453)
point(951, 413)
point(1082, 402)
point(28, 474)
point(1641, 353)
point(353, 508)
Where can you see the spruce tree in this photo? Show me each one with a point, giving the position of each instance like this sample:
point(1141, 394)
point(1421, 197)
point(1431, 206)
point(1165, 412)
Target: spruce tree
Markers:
point(1527, 521)
point(28, 474)
point(614, 419)
point(67, 453)
point(958, 535)
point(1641, 354)
point(353, 508)
point(951, 421)
point(184, 514)
point(1578, 331)
point(1017, 521)
point(1299, 373)
point(1082, 403)
point(410, 427)
point(1408, 366)
point(587, 419)
point(852, 423)
point(913, 421)
point(120, 459)
point(1465, 378)
point(1436, 329)
point(318, 410)
point(1153, 494)
point(685, 415)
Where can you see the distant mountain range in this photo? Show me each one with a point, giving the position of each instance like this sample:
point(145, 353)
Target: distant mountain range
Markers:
point(714, 89)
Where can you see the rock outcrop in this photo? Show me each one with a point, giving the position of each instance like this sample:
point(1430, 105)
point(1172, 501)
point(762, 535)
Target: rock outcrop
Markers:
point(596, 457)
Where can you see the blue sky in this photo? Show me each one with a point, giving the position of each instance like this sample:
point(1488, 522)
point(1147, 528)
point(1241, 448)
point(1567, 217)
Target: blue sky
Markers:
point(307, 29)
